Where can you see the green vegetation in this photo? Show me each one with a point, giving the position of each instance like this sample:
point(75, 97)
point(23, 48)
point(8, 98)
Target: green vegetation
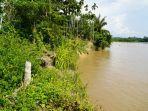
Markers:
point(51, 91)
point(28, 29)
point(130, 39)
point(67, 54)
point(14, 52)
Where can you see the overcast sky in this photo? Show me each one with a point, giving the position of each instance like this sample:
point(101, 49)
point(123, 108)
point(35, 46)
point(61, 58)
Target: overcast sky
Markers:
point(124, 17)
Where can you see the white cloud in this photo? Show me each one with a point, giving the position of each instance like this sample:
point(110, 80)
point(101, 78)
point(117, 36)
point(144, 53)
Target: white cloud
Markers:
point(118, 13)
point(117, 17)
point(117, 25)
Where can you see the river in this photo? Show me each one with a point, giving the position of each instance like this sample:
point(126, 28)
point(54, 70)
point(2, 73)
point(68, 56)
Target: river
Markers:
point(117, 78)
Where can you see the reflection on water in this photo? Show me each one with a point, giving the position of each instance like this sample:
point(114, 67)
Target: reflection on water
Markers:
point(117, 78)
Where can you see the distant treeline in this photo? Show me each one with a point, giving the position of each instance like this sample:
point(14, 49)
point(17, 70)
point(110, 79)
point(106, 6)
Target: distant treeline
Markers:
point(130, 39)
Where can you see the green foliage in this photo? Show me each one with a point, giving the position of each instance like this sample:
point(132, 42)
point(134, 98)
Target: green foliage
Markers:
point(54, 20)
point(99, 23)
point(52, 91)
point(48, 17)
point(92, 28)
point(130, 39)
point(13, 55)
point(102, 39)
point(67, 53)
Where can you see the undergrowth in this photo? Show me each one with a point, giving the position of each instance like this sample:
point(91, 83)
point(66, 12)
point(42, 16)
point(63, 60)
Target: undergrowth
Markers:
point(14, 52)
point(54, 89)
point(67, 54)
point(51, 90)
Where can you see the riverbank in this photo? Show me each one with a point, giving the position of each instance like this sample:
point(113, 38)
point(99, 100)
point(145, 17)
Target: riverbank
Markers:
point(130, 39)
point(57, 88)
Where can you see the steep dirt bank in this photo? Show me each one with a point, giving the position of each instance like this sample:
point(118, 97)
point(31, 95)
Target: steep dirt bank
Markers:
point(89, 49)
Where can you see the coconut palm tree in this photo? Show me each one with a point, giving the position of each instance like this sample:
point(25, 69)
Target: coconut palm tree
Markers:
point(99, 23)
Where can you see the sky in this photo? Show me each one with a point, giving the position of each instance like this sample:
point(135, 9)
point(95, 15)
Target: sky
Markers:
point(125, 18)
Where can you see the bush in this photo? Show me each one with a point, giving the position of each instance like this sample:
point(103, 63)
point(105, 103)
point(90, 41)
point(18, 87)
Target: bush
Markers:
point(14, 52)
point(102, 40)
point(67, 53)
point(51, 91)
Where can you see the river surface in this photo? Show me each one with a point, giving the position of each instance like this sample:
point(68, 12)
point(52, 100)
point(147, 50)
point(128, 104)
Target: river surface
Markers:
point(117, 78)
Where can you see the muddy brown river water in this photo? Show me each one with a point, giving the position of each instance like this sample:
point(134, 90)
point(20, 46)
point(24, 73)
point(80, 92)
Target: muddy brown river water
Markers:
point(117, 78)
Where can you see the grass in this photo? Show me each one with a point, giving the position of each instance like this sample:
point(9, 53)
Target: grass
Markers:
point(51, 90)
point(56, 89)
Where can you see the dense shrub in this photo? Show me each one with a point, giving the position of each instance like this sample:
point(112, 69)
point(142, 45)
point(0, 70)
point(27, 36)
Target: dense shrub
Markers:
point(52, 91)
point(13, 55)
point(67, 53)
point(102, 40)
